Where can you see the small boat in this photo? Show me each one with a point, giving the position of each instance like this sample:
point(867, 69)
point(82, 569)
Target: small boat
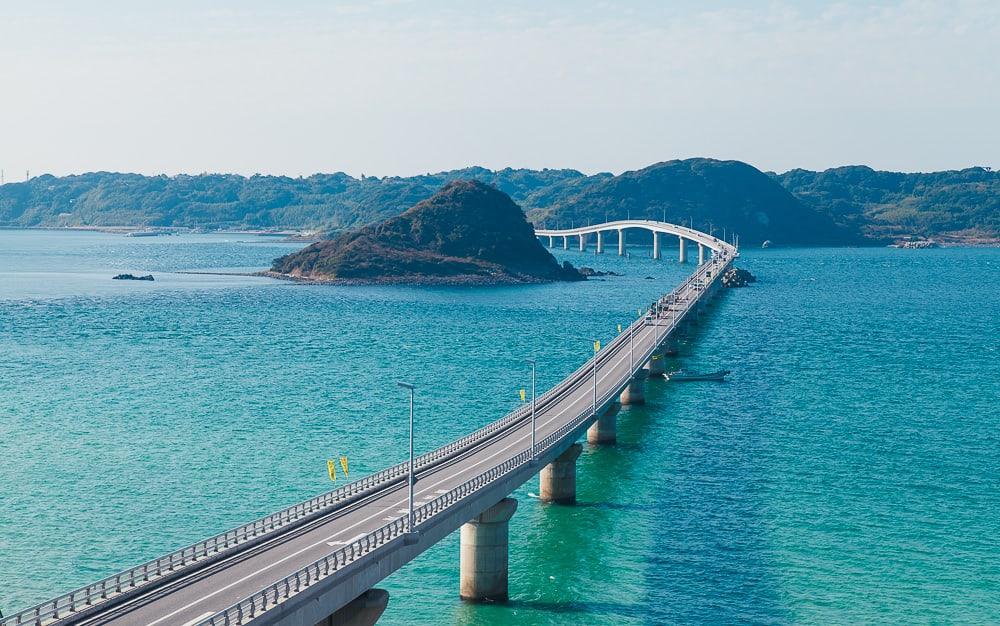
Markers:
point(681, 375)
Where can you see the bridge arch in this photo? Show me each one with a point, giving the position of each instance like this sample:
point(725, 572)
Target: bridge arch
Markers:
point(704, 241)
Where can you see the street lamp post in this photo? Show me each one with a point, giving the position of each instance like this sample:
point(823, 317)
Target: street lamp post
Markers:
point(532, 362)
point(409, 517)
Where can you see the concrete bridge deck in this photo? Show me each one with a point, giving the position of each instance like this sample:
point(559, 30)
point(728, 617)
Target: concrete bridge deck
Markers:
point(300, 565)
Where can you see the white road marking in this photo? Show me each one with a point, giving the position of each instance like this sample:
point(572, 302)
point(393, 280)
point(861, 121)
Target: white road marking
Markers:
point(198, 619)
point(346, 541)
point(369, 518)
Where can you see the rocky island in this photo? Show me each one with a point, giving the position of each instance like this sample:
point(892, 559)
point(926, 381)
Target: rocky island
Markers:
point(466, 233)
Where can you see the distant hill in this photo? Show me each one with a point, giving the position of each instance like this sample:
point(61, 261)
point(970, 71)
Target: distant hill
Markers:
point(839, 206)
point(891, 204)
point(707, 193)
point(467, 232)
point(323, 201)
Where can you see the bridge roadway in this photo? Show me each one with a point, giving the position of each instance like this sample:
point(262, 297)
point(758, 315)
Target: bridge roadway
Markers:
point(300, 571)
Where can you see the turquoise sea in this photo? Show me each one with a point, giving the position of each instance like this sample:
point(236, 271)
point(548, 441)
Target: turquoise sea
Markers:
point(848, 473)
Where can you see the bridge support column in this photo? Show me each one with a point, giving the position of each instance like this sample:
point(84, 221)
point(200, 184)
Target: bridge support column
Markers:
point(551, 240)
point(682, 255)
point(583, 242)
point(635, 392)
point(565, 242)
point(483, 556)
point(670, 346)
point(656, 246)
point(621, 242)
point(605, 429)
point(701, 254)
point(361, 611)
point(557, 480)
point(600, 243)
point(654, 366)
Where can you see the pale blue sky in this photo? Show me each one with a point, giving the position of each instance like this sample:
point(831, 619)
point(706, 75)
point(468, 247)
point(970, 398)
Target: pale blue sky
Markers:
point(397, 87)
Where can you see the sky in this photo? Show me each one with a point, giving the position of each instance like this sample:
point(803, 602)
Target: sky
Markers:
point(401, 88)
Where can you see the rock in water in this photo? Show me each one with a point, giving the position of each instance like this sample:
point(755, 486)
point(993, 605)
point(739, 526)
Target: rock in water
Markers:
point(132, 277)
point(737, 277)
point(466, 233)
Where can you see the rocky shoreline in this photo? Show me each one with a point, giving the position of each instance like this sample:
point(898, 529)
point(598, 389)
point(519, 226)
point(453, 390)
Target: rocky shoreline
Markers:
point(460, 280)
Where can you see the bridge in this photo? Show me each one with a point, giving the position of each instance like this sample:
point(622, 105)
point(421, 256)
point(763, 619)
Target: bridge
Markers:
point(706, 242)
point(318, 562)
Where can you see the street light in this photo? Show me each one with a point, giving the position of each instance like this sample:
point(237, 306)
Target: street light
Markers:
point(409, 518)
point(532, 362)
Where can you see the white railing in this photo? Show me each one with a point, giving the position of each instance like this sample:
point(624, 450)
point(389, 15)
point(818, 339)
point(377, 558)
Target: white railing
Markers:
point(208, 550)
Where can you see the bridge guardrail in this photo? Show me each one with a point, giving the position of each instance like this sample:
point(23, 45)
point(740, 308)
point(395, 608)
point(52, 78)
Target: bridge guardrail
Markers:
point(290, 517)
point(249, 607)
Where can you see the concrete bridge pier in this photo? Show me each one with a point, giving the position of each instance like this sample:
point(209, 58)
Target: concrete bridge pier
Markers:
point(583, 242)
point(670, 346)
point(361, 611)
point(551, 241)
point(701, 254)
point(654, 367)
point(635, 392)
point(483, 554)
point(557, 480)
point(600, 243)
point(682, 254)
point(604, 430)
point(621, 242)
point(656, 246)
point(565, 242)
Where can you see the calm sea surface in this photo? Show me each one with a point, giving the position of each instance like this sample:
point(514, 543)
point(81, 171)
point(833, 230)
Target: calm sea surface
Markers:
point(849, 471)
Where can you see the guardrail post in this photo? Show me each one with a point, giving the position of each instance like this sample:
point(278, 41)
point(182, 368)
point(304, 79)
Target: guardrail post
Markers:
point(483, 556)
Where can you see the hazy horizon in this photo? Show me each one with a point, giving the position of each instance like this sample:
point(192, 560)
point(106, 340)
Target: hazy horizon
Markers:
point(398, 88)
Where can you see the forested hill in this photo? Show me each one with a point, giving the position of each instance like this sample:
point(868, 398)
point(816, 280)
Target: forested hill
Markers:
point(962, 203)
point(325, 201)
point(799, 207)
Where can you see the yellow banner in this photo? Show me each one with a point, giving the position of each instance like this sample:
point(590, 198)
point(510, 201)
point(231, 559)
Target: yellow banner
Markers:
point(343, 465)
point(331, 468)
point(522, 395)
point(597, 346)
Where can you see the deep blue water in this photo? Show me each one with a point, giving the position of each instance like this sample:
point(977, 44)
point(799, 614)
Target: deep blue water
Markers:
point(849, 471)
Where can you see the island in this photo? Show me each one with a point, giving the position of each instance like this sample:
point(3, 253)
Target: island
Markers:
point(466, 233)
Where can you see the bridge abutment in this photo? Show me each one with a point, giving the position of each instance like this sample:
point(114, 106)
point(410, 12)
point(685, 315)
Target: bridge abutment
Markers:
point(483, 557)
point(635, 392)
point(557, 480)
point(604, 430)
point(362, 611)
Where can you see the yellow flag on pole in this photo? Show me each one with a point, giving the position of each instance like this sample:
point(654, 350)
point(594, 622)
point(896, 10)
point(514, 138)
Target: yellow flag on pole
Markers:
point(343, 465)
point(522, 395)
point(597, 346)
point(619, 329)
point(331, 468)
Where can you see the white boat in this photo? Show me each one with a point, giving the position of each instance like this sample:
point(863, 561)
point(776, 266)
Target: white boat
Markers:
point(682, 376)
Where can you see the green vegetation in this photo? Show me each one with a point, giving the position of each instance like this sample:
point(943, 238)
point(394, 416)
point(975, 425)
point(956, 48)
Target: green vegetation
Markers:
point(467, 232)
point(891, 204)
point(839, 206)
